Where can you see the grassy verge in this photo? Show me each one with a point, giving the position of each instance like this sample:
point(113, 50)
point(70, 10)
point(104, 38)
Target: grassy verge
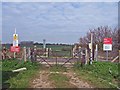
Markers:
point(99, 74)
point(18, 79)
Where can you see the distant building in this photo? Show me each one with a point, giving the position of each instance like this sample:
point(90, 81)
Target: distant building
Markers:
point(26, 44)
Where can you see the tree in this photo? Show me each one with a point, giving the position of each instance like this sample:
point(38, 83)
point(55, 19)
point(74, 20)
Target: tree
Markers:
point(99, 34)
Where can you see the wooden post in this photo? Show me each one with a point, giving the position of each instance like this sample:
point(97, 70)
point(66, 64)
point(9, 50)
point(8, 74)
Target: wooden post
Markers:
point(96, 52)
point(35, 53)
point(119, 56)
point(29, 53)
point(14, 54)
point(86, 56)
point(25, 54)
point(0, 50)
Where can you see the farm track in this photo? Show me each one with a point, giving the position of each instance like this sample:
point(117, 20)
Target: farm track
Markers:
point(42, 80)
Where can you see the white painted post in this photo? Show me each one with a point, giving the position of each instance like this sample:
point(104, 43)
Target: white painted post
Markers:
point(25, 54)
point(46, 52)
point(91, 55)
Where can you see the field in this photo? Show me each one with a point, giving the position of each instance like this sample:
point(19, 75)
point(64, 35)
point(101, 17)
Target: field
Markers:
point(56, 47)
point(59, 50)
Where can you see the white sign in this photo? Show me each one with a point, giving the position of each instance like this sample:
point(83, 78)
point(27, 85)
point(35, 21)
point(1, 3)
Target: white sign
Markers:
point(107, 47)
point(15, 39)
point(15, 43)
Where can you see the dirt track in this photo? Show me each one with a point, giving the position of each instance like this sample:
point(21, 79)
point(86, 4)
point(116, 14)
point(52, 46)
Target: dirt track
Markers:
point(41, 81)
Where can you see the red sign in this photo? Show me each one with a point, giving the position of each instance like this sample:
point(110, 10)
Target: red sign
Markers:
point(15, 49)
point(107, 40)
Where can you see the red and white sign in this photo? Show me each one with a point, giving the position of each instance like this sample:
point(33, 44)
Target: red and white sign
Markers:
point(107, 46)
point(107, 40)
point(15, 49)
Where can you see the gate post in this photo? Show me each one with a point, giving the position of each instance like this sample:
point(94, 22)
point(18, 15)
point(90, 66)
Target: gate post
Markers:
point(25, 54)
point(46, 52)
point(83, 57)
point(29, 53)
point(86, 56)
point(119, 56)
point(35, 53)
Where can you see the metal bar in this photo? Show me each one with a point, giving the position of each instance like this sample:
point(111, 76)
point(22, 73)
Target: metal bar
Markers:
point(45, 61)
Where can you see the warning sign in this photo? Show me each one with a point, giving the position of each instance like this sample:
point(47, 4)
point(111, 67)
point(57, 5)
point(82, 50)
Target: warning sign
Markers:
point(107, 44)
point(15, 37)
point(15, 49)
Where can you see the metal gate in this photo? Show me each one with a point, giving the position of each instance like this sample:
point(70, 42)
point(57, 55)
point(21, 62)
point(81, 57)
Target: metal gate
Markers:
point(55, 57)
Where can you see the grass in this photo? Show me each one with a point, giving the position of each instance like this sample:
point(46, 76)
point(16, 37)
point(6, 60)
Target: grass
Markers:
point(58, 68)
point(18, 79)
point(60, 80)
point(55, 47)
point(99, 74)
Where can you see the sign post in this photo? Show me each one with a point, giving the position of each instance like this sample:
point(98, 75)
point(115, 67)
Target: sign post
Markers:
point(15, 48)
point(107, 46)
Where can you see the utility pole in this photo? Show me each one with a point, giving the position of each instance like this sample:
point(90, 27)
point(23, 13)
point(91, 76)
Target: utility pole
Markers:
point(91, 55)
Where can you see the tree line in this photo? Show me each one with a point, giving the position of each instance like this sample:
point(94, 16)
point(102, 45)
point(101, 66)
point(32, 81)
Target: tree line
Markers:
point(99, 34)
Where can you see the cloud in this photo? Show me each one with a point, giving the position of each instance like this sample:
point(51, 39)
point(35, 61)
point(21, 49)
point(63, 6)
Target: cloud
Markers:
point(35, 21)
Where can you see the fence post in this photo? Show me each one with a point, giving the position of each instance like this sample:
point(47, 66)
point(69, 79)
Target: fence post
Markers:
point(35, 53)
point(14, 54)
point(86, 56)
point(25, 54)
point(0, 50)
point(29, 53)
point(46, 52)
point(96, 52)
point(119, 56)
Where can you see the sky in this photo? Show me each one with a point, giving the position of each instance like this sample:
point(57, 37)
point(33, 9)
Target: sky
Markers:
point(57, 22)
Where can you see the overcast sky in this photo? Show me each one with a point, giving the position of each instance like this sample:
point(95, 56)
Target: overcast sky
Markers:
point(57, 22)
